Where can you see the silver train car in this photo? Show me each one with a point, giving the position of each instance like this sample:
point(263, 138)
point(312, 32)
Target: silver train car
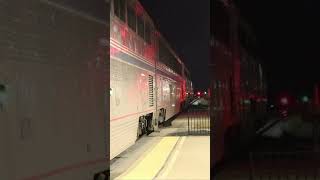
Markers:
point(149, 84)
point(52, 86)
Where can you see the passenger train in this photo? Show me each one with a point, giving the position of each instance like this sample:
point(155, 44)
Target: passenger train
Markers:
point(238, 83)
point(149, 83)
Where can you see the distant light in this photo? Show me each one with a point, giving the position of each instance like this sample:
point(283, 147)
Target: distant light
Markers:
point(205, 92)
point(305, 99)
point(246, 101)
point(272, 106)
point(198, 93)
point(173, 105)
point(284, 101)
point(143, 74)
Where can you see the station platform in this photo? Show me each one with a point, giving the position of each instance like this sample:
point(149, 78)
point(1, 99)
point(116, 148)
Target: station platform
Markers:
point(173, 157)
point(168, 154)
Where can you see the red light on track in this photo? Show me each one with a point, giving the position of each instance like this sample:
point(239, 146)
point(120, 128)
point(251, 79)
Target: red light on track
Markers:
point(284, 101)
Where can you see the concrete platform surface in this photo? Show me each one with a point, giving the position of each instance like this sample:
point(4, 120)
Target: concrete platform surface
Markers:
point(190, 160)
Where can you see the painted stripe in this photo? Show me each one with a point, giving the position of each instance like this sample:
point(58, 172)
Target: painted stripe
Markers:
point(67, 168)
point(129, 51)
point(133, 61)
point(164, 173)
point(130, 59)
point(152, 162)
point(128, 115)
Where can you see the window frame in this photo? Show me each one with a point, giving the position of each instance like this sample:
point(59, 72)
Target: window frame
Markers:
point(147, 34)
point(129, 8)
point(122, 17)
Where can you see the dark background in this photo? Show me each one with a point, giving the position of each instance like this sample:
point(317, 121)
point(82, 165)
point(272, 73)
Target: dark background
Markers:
point(186, 25)
point(288, 38)
point(287, 34)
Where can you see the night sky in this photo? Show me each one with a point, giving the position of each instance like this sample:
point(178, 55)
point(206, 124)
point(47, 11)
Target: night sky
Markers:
point(186, 25)
point(288, 37)
point(287, 34)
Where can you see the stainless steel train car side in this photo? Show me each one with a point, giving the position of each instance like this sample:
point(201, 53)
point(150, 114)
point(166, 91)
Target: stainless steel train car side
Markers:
point(238, 84)
point(53, 75)
point(145, 90)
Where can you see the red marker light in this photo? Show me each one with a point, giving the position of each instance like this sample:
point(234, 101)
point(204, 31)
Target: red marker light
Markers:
point(198, 93)
point(284, 101)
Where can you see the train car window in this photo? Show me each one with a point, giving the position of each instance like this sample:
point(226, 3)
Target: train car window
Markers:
point(119, 9)
point(132, 19)
point(141, 27)
point(167, 58)
point(148, 33)
point(116, 7)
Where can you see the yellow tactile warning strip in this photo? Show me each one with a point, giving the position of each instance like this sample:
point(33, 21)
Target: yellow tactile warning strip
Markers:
point(152, 163)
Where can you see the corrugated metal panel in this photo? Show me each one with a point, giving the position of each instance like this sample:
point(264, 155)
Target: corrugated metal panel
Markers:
point(151, 99)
